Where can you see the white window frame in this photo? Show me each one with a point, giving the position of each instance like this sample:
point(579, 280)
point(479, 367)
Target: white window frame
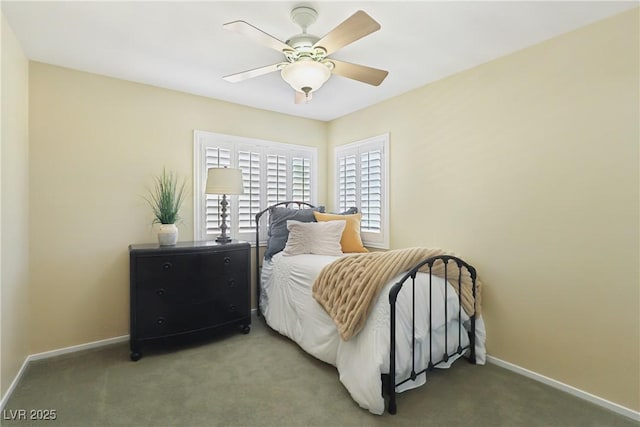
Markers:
point(203, 140)
point(381, 142)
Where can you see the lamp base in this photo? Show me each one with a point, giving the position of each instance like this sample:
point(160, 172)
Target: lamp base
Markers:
point(223, 239)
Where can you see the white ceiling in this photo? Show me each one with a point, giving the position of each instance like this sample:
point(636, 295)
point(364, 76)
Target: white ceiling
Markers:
point(182, 45)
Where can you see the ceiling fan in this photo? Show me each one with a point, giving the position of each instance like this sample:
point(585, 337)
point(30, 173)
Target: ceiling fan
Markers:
point(307, 66)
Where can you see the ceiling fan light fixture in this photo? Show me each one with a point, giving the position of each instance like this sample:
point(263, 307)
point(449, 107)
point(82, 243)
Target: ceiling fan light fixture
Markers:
point(306, 75)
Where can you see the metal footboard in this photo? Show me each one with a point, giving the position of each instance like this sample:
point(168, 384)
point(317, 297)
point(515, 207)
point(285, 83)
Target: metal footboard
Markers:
point(390, 382)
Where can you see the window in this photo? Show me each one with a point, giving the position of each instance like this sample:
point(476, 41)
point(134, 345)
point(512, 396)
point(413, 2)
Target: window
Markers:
point(272, 172)
point(362, 181)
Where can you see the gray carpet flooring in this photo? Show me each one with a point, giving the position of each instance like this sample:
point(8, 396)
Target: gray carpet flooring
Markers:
point(263, 379)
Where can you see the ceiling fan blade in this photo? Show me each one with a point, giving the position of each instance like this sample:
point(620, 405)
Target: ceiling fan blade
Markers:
point(362, 73)
point(301, 98)
point(238, 77)
point(353, 28)
point(246, 29)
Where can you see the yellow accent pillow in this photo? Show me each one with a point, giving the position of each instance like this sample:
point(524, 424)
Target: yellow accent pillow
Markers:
point(350, 241)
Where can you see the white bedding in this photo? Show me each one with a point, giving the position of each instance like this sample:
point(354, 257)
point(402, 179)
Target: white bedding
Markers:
point(289, 308)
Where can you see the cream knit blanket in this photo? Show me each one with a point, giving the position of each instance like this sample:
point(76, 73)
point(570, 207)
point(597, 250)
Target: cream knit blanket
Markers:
point(347, 287)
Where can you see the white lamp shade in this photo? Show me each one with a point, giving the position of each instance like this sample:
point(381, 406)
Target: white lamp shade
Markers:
point(306, 74)
point(224, 181)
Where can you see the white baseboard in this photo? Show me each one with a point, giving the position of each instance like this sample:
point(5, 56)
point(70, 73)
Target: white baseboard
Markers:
point(14, 383)
point(76, 348)
point(619, 409)
point(53, 353)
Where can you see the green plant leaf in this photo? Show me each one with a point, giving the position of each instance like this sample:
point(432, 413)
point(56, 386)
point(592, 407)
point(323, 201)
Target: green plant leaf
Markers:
point(166, 198)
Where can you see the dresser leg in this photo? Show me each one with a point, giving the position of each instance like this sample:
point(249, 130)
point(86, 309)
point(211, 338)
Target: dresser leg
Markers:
point(135, 354)
point(245, 329)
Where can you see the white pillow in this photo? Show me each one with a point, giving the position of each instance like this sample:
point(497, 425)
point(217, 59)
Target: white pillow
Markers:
point(318, 238)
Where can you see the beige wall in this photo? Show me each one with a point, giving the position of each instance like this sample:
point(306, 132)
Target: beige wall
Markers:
point(528, 167)
point(96, 143)
point(14, 209)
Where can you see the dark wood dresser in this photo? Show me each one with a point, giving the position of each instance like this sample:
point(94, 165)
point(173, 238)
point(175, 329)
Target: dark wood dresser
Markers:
point(189, 288)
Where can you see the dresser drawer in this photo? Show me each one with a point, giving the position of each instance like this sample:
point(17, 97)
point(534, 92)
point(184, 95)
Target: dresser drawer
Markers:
point(171, 320)
point(172, 270)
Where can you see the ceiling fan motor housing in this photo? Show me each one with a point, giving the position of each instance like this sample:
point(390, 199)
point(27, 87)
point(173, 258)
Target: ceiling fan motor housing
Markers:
point(302, 41)
point(302, 46)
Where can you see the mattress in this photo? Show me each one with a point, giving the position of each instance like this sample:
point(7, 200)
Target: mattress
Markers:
point(288, 306)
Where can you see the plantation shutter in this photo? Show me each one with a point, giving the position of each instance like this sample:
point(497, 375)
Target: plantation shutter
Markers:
point(215, 157)
point(276, 178)
point(347, 182)
point(361, 181)
point(301, 178)
point(371, 190)
point(271, 173)
point(249, 202)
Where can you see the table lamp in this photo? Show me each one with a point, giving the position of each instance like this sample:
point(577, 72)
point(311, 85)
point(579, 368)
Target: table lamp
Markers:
point(225, 181)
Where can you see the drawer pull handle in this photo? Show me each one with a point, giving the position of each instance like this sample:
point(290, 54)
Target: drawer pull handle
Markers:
point(166, 266)
point(160, 292)
point(160, 320)
point(232, 307)
point(231, 282)
point(227, 260)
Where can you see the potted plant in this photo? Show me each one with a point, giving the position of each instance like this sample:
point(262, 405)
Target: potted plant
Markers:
point(165, 200)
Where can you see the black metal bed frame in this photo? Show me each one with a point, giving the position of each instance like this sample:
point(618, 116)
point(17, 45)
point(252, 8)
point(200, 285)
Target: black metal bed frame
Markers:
point(393, 295)
point(388, 380)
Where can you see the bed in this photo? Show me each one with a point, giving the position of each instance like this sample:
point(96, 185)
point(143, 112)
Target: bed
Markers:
point(418, 319)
